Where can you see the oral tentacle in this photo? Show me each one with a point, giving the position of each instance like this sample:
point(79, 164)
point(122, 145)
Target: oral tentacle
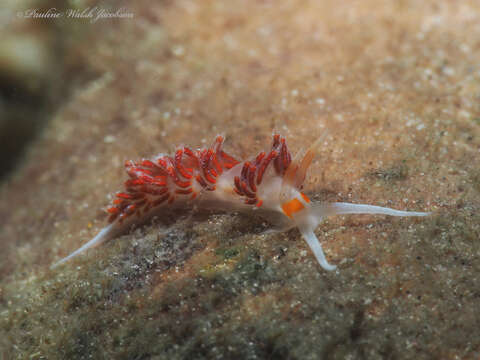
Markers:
point(307, 232)
point(339, 208)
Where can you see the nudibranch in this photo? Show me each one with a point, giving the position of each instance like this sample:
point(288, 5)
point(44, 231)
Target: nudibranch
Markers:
point(269, 183)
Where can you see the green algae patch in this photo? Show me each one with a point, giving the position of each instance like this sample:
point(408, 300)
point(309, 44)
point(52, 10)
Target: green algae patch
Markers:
point(227, 253)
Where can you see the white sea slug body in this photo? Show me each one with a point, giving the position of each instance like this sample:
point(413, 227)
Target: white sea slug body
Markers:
point(269, 184)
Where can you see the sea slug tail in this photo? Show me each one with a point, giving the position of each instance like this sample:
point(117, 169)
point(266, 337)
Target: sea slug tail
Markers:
point(104, 234)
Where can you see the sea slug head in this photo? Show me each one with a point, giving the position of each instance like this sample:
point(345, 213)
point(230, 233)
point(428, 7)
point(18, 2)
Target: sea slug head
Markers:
point(296, 206)
point(294, 203)
point(280, 190)
point(306, 216)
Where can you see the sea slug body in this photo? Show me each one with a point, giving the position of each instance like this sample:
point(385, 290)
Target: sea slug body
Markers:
point(269, 183)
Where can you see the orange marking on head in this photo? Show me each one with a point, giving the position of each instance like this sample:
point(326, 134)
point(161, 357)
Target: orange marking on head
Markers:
point(305, 197)
point(292, 207)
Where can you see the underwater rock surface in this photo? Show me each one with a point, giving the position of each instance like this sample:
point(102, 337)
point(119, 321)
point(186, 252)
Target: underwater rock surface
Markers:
point(396, 84)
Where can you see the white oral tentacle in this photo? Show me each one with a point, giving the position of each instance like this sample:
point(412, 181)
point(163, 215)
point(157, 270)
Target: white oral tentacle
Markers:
point(312, 241)
point(339, 208)
point(319, 211)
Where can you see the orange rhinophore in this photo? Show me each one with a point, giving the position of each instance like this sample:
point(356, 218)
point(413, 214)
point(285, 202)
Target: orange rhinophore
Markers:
point(270, 182)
